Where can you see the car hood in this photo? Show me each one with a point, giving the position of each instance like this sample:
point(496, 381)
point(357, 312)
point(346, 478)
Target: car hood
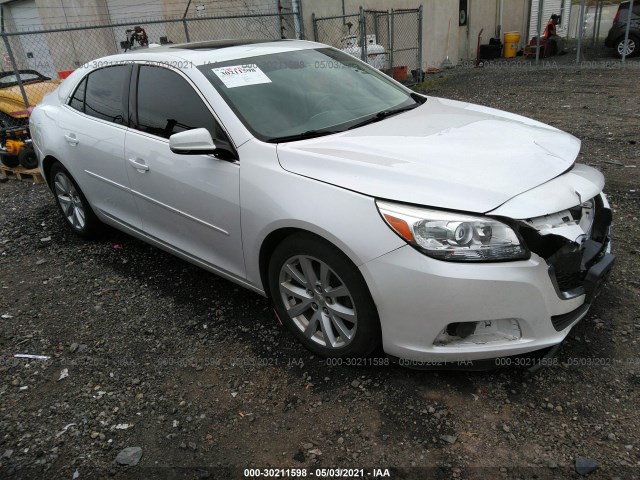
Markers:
point(445, 154)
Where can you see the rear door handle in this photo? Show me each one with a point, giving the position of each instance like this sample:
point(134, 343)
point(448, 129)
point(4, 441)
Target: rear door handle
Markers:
point(73, 141)
point(138, 166)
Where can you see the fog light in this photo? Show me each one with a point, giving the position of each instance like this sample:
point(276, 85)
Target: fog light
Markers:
point(479, 333)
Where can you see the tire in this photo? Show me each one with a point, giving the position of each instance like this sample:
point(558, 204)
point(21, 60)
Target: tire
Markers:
point(10, 161)
point(28, 158)
point(633, 46)
point(322, 298)
point(72, 203)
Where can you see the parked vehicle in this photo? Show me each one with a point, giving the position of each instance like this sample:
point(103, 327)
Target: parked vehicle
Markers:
point(15, 143)
point(616, 37)
point(368, 213)
point(13, 111)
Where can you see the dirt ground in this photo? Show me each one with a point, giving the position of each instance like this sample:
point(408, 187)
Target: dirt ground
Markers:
point(195, 371)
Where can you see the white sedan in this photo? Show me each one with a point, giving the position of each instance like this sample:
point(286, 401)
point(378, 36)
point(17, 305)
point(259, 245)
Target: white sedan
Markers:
point(368, 214)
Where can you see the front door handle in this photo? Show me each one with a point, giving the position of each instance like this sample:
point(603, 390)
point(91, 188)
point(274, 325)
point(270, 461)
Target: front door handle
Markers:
point(138, 166)
point(73, 141)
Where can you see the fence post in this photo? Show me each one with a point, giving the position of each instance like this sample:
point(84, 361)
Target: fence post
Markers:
point(539, 30)
point(363, 36)
point(280, 22)
point(186, 29)
point(580, 29)
point(601, 3)
point(420, 70)
point(300, 15)
point(392, 38)
point(388, 46)
point(15, 70)
point(626, 34)
point(595, 24)
point(184, 21)
point(315, 27)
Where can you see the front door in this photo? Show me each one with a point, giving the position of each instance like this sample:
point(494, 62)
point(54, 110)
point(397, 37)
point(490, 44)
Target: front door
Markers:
point(190, 202)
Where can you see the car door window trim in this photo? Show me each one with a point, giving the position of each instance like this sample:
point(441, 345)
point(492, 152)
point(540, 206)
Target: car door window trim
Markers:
point(125, 100)
point(133, 103)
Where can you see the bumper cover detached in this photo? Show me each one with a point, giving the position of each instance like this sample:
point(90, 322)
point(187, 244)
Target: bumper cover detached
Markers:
point(581, 269)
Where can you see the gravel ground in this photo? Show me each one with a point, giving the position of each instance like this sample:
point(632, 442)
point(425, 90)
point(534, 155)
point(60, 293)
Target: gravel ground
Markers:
point(148, 351)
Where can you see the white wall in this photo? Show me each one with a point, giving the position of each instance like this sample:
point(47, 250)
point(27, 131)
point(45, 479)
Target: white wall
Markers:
point(462, 41)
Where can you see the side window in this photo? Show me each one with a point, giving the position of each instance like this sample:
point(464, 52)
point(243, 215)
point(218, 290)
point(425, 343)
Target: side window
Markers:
point(77, 100)
point(167, 104)
point(624, 11)
point(105, 95)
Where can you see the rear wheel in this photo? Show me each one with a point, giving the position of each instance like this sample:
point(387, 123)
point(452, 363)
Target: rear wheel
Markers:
point(323, 299)
point(72, 203)
point(631, 47)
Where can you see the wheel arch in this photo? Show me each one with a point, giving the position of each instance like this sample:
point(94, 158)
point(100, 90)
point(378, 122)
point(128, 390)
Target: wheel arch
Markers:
point(277, 236)
point(372, 325)
point(47, 163)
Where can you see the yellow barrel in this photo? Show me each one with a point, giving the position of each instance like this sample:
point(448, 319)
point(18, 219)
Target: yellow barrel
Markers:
point(511, 44)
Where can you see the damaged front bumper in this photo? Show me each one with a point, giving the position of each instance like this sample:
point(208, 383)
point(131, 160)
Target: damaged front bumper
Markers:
point(577, 249)
point(444, 312)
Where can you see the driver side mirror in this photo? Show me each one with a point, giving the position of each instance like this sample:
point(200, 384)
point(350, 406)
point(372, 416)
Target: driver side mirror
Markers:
point(199, 142)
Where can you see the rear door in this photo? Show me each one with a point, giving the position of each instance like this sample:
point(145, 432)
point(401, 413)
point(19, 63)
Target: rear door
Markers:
point(94, 126)
point(189, 202)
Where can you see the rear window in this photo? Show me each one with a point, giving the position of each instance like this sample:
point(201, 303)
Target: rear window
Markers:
point(624, 10)
point(106, 93)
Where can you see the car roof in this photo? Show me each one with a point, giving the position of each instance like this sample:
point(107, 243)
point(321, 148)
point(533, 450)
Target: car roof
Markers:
point(212, 51)
point(185, 55)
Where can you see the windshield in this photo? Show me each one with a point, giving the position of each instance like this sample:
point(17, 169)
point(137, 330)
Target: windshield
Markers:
point(305, 93)
point(10, 79)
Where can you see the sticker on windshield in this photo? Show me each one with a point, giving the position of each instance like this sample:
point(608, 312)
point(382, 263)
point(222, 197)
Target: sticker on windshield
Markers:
point(241, 75)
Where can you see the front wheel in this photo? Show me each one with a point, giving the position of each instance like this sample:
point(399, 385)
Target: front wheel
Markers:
point(322, 298)
point(72, 203)
point(631, 48)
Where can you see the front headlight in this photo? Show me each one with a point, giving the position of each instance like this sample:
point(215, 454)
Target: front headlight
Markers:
point(453, 236)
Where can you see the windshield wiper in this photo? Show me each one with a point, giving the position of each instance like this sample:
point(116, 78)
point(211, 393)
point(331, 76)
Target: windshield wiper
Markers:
point(384, 114)
point(303, 136)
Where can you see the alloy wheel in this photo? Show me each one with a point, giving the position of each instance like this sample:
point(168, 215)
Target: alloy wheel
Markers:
point(69, 201)
point(627, 48)
point(318, 301)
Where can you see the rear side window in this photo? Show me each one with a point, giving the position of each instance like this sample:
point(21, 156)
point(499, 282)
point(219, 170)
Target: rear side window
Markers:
point(168, 104)
point(106, 93)
point(77, 100)
point(624, 10)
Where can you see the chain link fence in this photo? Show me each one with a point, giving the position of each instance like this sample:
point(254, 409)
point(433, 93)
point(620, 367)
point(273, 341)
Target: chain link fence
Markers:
point(389, 40)
point(34, 62)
